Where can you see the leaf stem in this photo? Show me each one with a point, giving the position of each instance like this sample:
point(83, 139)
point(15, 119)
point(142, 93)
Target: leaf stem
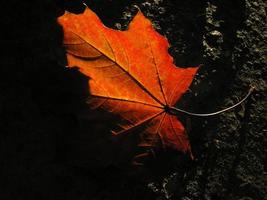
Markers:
point(174, 109)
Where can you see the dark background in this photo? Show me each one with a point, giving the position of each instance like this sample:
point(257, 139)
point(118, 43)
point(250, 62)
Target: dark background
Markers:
point(52, 147)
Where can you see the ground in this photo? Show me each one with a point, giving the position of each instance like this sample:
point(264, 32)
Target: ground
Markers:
point(46, 152)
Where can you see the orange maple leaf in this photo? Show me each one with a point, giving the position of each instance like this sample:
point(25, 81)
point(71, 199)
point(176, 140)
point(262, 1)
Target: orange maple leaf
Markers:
point(131, 75)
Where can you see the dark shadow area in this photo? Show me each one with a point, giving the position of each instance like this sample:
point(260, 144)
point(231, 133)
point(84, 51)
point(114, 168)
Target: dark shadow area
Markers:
point(39, 101)
point(110, 12)
point(186, 41)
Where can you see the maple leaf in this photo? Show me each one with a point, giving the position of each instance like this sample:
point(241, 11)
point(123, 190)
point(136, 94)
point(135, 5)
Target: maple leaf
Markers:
point(130, 75)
